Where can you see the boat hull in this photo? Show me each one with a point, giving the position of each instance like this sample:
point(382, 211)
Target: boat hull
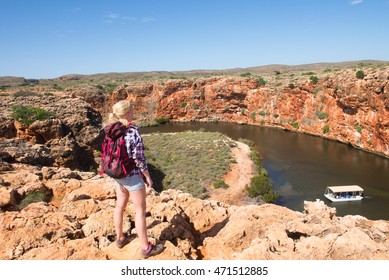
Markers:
point(342, 199)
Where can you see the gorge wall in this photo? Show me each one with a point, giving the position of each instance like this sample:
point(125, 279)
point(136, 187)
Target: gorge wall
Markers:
point(336, 105)
point(339, 106)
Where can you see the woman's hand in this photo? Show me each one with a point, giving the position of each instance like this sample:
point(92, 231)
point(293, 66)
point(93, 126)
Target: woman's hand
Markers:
point(149, 183)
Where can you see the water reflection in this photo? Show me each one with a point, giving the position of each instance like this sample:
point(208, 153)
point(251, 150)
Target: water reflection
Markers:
point(302, 166)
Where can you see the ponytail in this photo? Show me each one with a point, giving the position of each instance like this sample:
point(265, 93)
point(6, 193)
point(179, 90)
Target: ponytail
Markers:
point(119, 110)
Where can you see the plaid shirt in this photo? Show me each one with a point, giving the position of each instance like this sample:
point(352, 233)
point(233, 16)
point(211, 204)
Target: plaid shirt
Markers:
point(135, 150)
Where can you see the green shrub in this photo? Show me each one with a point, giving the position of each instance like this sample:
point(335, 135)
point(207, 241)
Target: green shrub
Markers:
point(57, 87)
point(261, 81)
point(28, 114)
point(256, 159)
point(270, 197)
point(358, 128)
point(111, 87)
point(220, 184)
point(261, 185)
point(291, 86)
point(322, 115)
point(296, 125)
point(326, 129)
point(360, 74)
point(160, 121)
point(248, 74)
point(314, 79)
point(35, 196)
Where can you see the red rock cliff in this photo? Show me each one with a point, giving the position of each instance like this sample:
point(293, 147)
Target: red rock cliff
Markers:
point(337, 106)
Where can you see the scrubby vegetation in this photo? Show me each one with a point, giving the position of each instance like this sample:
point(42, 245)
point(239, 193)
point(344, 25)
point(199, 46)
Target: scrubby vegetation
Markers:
point(35, 196)
point(326, 129)
point(322, 115)
point(360, 74)
point(29, 114)
point(24, 93)
point(314, 79)
point(261, 185)
point(188, 161)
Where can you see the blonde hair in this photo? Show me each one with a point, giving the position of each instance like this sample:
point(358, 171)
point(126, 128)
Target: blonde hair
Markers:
point(119, 111)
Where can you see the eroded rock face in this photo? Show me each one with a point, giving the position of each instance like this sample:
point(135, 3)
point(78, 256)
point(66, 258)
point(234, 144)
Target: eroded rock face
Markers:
point(78, 224)
point(68, 138)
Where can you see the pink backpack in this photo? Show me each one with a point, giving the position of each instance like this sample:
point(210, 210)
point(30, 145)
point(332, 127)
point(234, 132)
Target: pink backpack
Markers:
point(115, 161)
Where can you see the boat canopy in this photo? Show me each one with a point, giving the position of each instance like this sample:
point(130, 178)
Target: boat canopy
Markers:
point(351, 188)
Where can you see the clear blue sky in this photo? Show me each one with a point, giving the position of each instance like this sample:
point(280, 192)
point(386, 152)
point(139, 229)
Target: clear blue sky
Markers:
point(48, 39)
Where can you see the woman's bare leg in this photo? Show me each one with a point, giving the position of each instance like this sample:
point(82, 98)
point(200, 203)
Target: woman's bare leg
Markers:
point(122, 196)
point(138, 198)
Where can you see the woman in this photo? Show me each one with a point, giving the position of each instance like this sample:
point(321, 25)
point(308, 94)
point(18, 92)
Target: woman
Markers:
point(132, 186)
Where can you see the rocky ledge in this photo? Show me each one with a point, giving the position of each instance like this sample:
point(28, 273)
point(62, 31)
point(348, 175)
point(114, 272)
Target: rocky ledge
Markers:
point(77, 224)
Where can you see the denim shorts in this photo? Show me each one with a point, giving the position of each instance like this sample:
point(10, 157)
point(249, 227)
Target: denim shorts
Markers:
point(132, 184)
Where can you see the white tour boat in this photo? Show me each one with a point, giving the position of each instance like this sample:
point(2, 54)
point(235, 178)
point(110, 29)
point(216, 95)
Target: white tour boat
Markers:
point(344, 193)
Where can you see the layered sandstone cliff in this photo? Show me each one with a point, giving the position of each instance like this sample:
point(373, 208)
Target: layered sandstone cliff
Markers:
point(337, 106)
